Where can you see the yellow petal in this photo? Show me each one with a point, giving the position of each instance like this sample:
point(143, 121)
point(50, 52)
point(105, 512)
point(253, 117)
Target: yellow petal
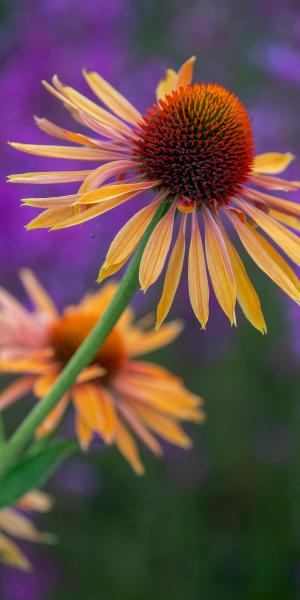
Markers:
point(156, 250)
point(283, 237)
point(292, 222)
point(219, 267)
point(64, 134)
point(167, 85)
point(37, 293)
point(246, 293)
point(49, 218)
point(262, 257)
point(173, 275)
point(197, 275)
point(36, 500)
point(112, 98)
point(272, 162)
point(126, 241)
point(127, 446)
point(19, 526)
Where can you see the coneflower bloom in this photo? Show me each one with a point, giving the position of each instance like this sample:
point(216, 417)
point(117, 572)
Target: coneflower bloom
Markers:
point(113, 395)
point(194, 148)
point(14, 522)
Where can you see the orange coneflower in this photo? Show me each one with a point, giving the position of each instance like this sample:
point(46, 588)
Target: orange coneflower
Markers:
point(15, 522)
point(195, 149)
point(112, 395)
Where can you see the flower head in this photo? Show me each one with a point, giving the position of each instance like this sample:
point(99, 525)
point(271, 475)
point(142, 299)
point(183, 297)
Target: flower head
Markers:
point(113, 395)
point(194, 148)
point(15, 522)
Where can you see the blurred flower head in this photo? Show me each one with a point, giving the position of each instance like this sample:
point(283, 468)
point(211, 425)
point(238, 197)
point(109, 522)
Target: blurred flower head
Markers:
point(195, 150)
point(15, 523)
point(113, 395)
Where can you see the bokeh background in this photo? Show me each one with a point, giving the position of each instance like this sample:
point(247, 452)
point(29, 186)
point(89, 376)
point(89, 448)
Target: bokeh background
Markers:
point(221, 521)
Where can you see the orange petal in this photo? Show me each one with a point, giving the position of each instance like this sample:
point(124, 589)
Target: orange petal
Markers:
point(290, 208)
point(263, 258)
point(165, 427)
point(219, 267)
point(127, 446)
point(108, 413)
point(11, 555)
point(139, 429)
point(142, 342)
point(173, 275)
point(68, 152)
point(283, 237)
point(49, 218)
point(292, 222)
point(64, 134)
point(246, 293)
point(98, 176)
point(84, 104)
point(126, 240)
point(272, 162)
point(185, 74)
point(15, 390)
point(197, 275)
point(83, 431)
point(54, 417)
point(112, 98)
point(156, 250)
point(19, 526)
point(86, 402)
point(46, 177)
point(113, 190)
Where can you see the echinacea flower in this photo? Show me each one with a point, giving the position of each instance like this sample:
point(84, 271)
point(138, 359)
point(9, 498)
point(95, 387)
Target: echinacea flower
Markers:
point(113, 394)
point(194, 148)
point(15, 523)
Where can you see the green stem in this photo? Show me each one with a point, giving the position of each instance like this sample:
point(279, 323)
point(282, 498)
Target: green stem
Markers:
point(85, 353)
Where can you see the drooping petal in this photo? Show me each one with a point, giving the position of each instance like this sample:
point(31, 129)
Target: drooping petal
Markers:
point(38, 295)
point(246, 293)
point(219, 267)
point(49, 218)
point(15, 390)
point(272, 162)
point(19, 526)
point(283, 237)
point(109, 415)
point(274, 183)
point(83, 431)
point(46, 177)
point(155, 253)
point(173, 275)
point(11, 554)
point(64, 134)
point(113, 190)
point(142, 342)
point(127, 446)
point(165, 427)
point(139, 429)
point(98, 176)
point(197, 275)
point(290, 208)
point(126, 240)
point(69, 152)
point(54, 417)
point(112, 98)
point(86, 402)
point(262, 257)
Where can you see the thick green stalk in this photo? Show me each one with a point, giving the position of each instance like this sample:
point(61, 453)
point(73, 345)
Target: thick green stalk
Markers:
point(85, 353)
